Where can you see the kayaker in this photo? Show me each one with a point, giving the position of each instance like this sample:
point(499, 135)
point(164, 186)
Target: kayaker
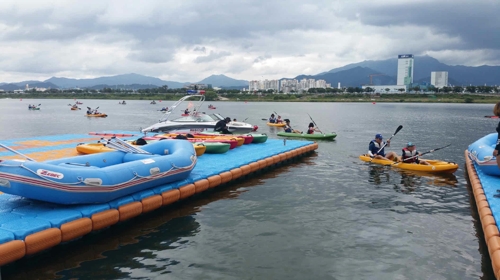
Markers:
point(221, 126)
point(410, 155)
point(496, 111)
point(279, 120)
point(272, 119)
point(186, 111)
point(376, 144)
point(312, 129)
point(289, 129)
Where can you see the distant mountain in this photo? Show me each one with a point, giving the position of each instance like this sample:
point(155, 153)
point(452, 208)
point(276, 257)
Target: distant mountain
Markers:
point(132, 87)
point(352, 77)
point(112, 81)
point(223, 81)
point(22, 85)
point(424, 65)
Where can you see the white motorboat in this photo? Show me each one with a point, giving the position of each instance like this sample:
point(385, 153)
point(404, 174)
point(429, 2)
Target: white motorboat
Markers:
point(194, 120)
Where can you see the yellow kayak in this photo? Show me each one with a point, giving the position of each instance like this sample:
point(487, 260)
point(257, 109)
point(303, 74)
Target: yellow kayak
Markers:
point(93, 148)
point(240, 140)
point(100, 115)
point(276, 124)
point(436, 166)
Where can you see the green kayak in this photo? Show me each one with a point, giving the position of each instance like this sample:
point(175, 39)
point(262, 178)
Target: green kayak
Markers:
point(328, 136)
point(215, 147)
point(257, 137)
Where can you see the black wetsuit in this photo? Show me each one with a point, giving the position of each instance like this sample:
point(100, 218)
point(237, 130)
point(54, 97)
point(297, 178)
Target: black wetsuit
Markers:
point(221, 126)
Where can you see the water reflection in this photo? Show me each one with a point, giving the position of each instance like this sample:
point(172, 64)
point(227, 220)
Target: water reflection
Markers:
point(378, 174)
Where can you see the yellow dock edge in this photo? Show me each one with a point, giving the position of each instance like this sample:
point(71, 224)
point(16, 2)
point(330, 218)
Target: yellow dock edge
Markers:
point(39, 241)
point(490, 228)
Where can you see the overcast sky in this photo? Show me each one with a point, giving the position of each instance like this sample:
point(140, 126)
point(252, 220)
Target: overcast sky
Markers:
point(188, 40)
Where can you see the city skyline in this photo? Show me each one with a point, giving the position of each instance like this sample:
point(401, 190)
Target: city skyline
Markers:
point(189, 40)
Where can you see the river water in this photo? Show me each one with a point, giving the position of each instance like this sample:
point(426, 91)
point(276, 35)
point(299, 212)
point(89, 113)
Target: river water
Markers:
point(327, 216)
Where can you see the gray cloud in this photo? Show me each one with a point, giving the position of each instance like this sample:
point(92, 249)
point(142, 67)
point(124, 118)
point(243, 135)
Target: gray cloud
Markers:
point(165, 38)
point(200, 49)
point(261, 58)
point(211, 56)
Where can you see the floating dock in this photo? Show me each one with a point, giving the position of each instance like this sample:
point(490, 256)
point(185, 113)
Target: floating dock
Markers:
point(487, 198)
point(29, 226)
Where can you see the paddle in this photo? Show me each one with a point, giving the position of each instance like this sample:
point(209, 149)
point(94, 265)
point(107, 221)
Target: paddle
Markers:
point(428, 152)
point(16, 152)
point(315, 123)
point(385, 144)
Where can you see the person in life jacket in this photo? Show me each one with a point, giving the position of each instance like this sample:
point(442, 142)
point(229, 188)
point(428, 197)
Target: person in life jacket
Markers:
point(375, 152)
point(289, 129)
point(186, 111)
point(496, 111)
point(311, 129)
point(279, 120)
point(272, 119)
point(410, 155)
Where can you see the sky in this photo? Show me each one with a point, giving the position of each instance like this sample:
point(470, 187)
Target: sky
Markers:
point(189, 40)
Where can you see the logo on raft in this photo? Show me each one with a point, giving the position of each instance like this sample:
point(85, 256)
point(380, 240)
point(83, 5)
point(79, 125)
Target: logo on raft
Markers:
point(50, 174)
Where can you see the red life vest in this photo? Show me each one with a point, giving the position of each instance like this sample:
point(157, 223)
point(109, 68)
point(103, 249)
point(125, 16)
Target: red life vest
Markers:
point(408, 154)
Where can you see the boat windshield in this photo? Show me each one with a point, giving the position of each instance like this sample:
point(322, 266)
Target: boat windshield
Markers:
point(196, 118)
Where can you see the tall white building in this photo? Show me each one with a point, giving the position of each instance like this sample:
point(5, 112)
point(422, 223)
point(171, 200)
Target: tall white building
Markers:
point(405, 69)
point(439, 79)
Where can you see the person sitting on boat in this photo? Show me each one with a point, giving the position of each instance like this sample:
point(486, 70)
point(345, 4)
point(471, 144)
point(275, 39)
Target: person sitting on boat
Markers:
point(221, 126)
point(289, 129)
point(311, 129)
point(89, 111)
point(234, 120)
point(279, 120)
point(410, 155)
point(374, 149)
point(496, 112)
point(186, 111)
point(272, 119)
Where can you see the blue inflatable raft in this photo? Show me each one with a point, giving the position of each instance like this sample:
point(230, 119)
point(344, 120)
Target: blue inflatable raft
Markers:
point(98, 178)
point(481, 152)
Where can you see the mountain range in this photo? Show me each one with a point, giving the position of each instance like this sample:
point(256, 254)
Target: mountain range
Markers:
point(384, 72)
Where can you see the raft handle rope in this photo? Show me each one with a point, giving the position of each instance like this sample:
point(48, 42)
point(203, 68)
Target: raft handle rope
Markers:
point(477, 160)
point(81, 180)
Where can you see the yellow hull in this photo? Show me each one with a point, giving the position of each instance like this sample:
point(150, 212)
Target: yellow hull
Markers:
point(240, 140)
point(436, 166)
point(96, 115)
point(276, 124)
point(93, 148)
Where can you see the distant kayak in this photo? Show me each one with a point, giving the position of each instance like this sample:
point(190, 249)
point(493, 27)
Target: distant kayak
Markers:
point(276, 124)
point(328, 136)
point(491, 117)
point(97, 115)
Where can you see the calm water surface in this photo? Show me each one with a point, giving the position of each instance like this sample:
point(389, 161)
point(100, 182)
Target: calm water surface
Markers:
point(327, 216)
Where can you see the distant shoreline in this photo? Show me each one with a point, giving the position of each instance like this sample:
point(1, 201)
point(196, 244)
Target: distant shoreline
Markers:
point(358, 98)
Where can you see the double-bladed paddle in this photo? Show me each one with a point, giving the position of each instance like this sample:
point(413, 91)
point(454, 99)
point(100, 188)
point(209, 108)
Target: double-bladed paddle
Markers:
point(315, 123)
